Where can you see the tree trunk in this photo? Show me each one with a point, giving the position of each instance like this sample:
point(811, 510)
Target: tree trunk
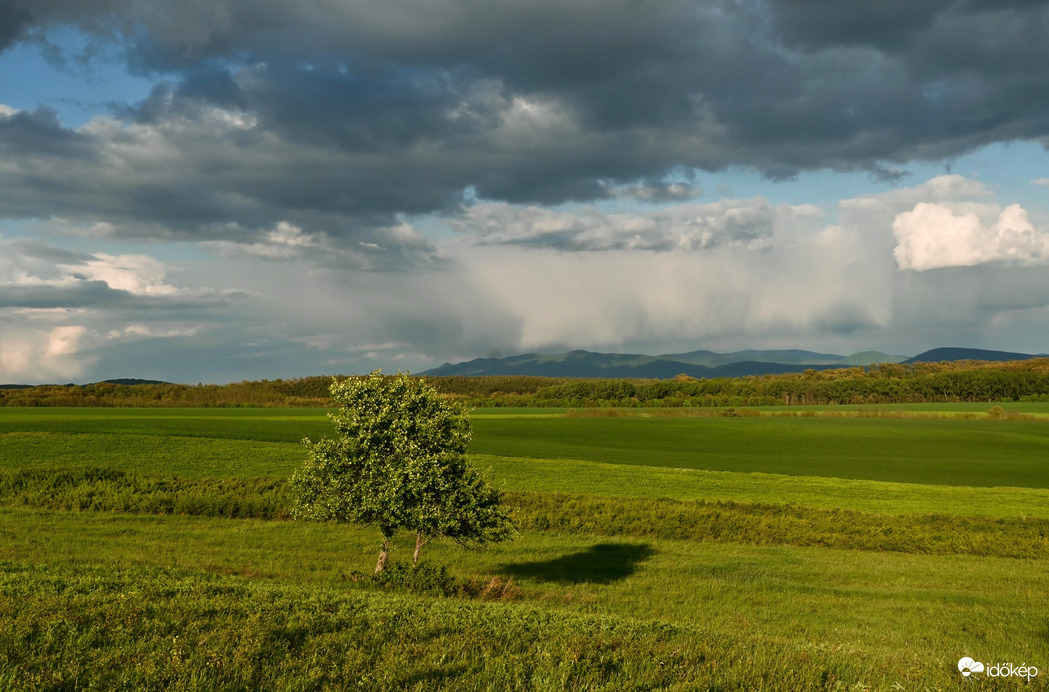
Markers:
point(419, 543)
point(384, 553)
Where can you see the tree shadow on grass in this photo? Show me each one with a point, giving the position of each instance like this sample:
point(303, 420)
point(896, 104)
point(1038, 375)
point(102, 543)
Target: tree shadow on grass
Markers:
point(603, 563)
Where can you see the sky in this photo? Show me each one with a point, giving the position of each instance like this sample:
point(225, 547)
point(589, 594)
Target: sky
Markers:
point(258, 189)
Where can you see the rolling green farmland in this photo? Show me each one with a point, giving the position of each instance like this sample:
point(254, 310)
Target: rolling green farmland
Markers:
point(757, 552)
point(938, 452)
point(976, 453)
point(261, 425)
point(619, 480)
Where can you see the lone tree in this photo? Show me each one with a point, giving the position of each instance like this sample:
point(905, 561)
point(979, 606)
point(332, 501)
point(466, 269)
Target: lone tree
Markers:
point(398, 461)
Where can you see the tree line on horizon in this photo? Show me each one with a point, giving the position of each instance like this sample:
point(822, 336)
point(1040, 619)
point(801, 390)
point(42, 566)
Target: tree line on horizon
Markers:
point(890, 383)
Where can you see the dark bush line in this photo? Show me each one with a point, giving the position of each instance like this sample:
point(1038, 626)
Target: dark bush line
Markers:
point(101, 489)
point(780, 524)
point(302, 392)
point(113, 490)
point(964, 381)
point(957, 381)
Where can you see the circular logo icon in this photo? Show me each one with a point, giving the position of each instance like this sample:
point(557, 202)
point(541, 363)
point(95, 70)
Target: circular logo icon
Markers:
point(968, 666)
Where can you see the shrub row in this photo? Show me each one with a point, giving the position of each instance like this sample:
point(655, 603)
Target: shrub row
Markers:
point(780, 524)
point(113, 490)
point(103, 489)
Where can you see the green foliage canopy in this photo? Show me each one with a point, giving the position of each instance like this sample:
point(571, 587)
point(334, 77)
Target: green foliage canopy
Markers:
point(398, 461)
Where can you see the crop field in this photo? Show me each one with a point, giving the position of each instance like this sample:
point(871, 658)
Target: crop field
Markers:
point(150, 548)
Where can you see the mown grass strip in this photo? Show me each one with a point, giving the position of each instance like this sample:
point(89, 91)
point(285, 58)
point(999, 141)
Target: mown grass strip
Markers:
point(187, 456)
point(263, 425)
point(199, 457)
point(624, 480)
point(101, 489)
point(983, 410)
point(201, 442)
point(975, 453)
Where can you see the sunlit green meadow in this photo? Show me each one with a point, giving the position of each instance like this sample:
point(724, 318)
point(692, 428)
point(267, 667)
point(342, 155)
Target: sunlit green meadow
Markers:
point(251, 604)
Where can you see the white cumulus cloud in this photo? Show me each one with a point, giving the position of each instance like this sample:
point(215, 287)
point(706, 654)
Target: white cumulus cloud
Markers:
point(136, 274)
point(42, 354)
point(932, 236)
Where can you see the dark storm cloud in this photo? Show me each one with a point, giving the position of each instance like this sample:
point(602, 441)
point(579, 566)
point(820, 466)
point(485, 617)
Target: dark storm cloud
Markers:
point(887, 24)
point(12, 22)
point(341, 118)
point(39, 133)
point(83, 294)
point(98, 294)
point(49, 253)
point(193, 172)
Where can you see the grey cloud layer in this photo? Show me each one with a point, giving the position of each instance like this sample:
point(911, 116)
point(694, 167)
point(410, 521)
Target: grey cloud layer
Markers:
point(36, 275)
point(292, 139)
point(341, 117)
point(688, 227)
point(64, 313)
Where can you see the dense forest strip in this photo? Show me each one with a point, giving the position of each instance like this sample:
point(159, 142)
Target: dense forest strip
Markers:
point(955, 381)
point(102, 489)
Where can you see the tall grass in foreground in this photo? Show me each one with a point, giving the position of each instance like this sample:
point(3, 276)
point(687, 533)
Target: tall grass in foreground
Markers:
point(112, 600)
point(158, 629)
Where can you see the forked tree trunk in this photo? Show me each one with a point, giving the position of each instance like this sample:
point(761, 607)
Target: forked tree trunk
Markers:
point(384, 553)
point(419, 543)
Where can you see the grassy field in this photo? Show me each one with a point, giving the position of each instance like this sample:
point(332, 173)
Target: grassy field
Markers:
point(764, 597)
point(936, 451)
point(900, 617)
point(926, 451)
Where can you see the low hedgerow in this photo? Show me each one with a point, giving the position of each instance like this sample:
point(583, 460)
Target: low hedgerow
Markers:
point(103, 489)
point(113, 490)
point(780, 524)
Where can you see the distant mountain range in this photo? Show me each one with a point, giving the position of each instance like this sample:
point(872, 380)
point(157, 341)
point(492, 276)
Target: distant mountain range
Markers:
point(693, 363)
point(698, 363)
